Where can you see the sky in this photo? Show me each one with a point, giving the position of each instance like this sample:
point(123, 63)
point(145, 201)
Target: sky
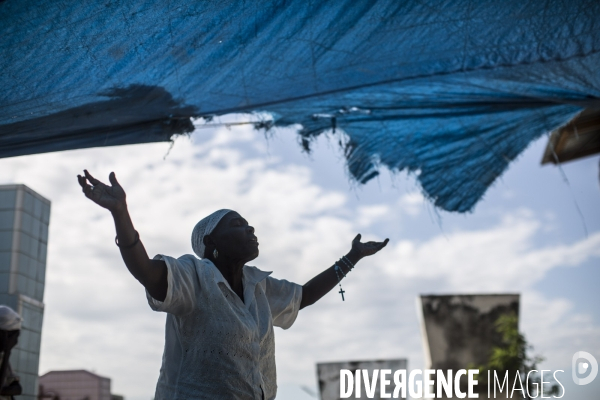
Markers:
point(536, 233)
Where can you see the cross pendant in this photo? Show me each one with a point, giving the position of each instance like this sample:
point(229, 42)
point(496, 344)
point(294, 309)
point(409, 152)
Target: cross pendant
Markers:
point(342, 291)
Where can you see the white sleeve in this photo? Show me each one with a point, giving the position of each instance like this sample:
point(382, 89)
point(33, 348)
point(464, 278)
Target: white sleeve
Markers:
point(182, 286)
point(284, 298)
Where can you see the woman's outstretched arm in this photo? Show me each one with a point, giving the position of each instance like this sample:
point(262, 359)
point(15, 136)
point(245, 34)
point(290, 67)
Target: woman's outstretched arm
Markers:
point(321, 284)
point(151, 273)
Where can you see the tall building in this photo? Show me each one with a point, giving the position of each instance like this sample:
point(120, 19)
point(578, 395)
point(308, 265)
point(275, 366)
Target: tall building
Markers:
point(24, 219)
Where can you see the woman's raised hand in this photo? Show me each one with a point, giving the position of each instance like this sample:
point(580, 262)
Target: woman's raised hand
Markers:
point(110, 197)
point(360, 250)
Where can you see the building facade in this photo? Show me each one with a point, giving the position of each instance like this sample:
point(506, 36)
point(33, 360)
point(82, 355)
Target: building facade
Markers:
point(74, 385)
point(460, 331)
point(24, 220)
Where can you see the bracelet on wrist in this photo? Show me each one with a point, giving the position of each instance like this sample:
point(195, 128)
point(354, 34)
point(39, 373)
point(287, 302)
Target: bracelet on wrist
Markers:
point(344, 261)
point(337, 268)
point(137, 239)
point(347, 262)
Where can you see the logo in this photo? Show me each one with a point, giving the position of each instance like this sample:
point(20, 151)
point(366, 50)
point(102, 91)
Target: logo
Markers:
point(445, 384)
point(581, 368)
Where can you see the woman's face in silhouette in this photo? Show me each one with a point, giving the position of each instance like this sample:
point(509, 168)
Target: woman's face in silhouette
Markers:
point(233, 238)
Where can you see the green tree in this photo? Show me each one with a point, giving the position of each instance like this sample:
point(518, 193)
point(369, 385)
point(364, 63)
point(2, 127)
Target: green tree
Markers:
point(512, 355)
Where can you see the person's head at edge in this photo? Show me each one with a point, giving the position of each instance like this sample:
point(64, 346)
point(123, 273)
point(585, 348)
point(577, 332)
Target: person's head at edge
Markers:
point(10, 328)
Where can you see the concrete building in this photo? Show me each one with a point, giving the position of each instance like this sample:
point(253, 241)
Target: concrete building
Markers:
point(459, 331)
point(24, 219)
point(74, 385)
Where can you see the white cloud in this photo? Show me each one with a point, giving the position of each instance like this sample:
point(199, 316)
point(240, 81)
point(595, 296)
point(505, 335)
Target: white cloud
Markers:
point(498, 259)
point(556, 330)
point(412, 203)
point(369, 214)
point(96, 313)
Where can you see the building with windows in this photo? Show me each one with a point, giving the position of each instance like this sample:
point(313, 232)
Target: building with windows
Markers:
point(24, 219)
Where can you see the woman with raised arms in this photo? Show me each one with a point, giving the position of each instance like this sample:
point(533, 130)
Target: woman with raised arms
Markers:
point(219, 340)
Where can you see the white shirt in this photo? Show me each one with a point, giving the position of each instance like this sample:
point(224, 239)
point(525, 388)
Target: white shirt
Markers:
point(216, 346)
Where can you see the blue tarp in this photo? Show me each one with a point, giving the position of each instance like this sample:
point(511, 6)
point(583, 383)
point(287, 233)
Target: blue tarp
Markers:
point(451, 90)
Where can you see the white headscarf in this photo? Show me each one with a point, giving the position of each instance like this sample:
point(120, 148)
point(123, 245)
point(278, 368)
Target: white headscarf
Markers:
point(203, 228)
point(9, 319)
